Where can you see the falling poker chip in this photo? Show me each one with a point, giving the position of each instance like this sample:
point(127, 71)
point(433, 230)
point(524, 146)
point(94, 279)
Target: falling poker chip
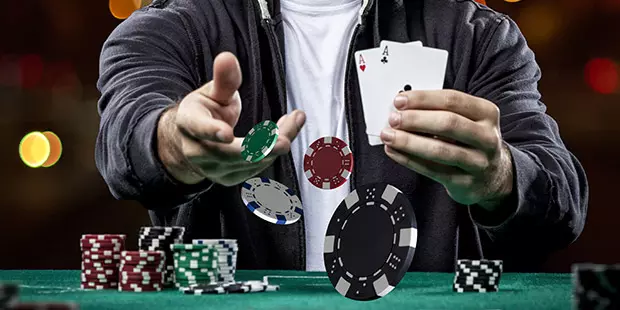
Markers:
point(260, 141)
point(370, 242)
point(272, 201)
point(328, 163)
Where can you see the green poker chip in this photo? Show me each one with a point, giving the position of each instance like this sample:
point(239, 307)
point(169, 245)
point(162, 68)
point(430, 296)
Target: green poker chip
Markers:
point(260, 141)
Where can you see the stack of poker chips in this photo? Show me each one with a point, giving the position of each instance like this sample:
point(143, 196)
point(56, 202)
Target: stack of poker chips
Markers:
point(227, 257)
point(231, 287)
point(142, 271)
point(194, 264)
point(9, 295)
point(596, 286)
point(160, 239)
point(477, 275)
point(100, 261)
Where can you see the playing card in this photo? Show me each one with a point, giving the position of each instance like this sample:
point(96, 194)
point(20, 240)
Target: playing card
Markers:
point(368, 68)
point(408, 67)
point(375, 122)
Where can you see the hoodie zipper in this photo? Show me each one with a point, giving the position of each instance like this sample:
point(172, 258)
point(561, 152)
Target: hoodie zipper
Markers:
point(365, 9)
point(273, 42)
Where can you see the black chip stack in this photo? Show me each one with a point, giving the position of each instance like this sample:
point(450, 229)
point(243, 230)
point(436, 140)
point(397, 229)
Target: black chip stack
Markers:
point(596, 286)
point(477, 275)
point(9, 294)
point(160, 238)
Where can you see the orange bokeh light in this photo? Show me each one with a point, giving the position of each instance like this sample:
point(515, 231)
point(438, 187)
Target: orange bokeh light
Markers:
point(55, 149)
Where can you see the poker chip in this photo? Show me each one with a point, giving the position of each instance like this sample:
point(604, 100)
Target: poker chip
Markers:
point(370, 242)
point(194, 264)
point(480, 275)
point(159, 238)
point(328, 163)
point(142, 271)
point(140, 287)
point(271, 201)
point(596, 286)
point(9, 295)
point(232, 287)
point(260, 141)
point(101, 256)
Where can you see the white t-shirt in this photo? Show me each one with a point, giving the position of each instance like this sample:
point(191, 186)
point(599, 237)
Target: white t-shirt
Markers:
point(317, 36)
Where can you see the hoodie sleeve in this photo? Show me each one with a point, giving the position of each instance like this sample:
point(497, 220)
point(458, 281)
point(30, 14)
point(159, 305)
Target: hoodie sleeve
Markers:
point(145, 68)
point(550, 196)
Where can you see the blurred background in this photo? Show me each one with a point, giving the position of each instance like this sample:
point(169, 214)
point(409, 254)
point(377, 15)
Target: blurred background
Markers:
point(49, 52)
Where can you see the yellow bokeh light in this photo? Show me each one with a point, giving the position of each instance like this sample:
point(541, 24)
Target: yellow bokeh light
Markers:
point(55, 149)
point(34, 149)
point(540, 22)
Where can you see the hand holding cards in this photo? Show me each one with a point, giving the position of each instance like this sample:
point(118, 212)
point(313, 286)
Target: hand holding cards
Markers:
point(394, 67)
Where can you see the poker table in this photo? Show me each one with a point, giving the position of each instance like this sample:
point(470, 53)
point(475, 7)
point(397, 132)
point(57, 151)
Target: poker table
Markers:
point(304, 290)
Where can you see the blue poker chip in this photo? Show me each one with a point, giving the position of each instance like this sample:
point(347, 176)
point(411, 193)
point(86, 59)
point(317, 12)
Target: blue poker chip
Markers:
point(271, 201)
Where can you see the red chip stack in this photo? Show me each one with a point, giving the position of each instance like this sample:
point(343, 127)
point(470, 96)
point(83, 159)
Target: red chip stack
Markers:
point(142, 271)
point(100, 261)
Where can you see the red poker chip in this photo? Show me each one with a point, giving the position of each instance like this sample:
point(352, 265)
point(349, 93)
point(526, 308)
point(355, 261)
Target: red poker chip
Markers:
point(86, 242)
point(105, 246)
point(142, 281)
point(135, 287)
point(94, 271)
point(94, 285)
point(97, 265)
point(144, 263)
point(106, 259)
point(141, 268)
point(91, 279)
point(118, 237)
point(145, 274)
point(102, 251)
point(328, 163)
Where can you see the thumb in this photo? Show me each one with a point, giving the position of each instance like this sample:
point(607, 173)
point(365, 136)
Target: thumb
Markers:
point(226, 79)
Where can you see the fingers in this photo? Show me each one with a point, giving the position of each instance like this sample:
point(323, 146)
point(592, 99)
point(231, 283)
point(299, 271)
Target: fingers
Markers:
point(196, 121)
point(471, 107)
point(445, 124)
point(289, 125)
point(226, 81)
point(437, 172)
point(435, 150)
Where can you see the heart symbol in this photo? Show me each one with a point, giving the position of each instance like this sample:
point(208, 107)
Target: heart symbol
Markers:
point(363, 67)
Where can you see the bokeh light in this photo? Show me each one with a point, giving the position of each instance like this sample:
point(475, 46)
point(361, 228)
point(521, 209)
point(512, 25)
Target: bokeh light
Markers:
point(55, 149)
point(34, 149)
point(122, 9)
point(540, 22)
point(602, 75)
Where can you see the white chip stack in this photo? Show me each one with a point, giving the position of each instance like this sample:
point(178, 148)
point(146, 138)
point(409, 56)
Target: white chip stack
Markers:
point(227, 257)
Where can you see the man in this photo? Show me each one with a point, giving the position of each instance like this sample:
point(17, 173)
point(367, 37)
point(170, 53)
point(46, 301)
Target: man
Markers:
point(183, 81)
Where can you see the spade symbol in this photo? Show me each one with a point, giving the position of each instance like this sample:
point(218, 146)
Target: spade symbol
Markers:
point(405, 88)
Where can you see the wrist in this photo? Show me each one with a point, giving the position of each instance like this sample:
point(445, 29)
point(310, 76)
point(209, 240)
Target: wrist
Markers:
point(503, 182)
point(169, 150)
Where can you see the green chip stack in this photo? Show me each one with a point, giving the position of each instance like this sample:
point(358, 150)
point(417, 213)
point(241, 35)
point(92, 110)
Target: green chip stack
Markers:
point(194, 264)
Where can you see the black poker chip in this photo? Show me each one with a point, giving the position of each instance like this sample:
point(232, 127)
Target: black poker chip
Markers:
point(370, 242)
point(9, 294)
point(475, 288)
point(476, 281)
point(596, 286)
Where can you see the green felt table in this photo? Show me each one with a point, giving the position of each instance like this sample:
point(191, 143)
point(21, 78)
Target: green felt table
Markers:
point(305, 290)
